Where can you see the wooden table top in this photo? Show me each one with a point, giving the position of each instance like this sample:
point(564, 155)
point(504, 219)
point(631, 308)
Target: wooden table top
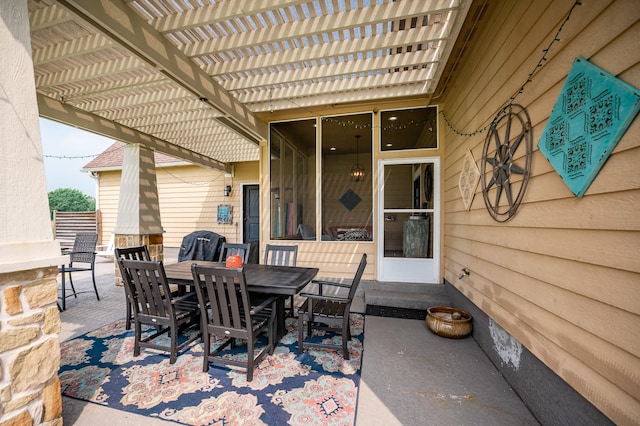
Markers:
point(286, 280)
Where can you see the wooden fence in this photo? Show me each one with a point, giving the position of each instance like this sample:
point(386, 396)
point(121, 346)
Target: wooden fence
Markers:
point(67, 224)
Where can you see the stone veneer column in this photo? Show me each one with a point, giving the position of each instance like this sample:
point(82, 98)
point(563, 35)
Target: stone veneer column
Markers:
point(29, 348)
point(154, 243)
point(29, 318)
point(138, 209)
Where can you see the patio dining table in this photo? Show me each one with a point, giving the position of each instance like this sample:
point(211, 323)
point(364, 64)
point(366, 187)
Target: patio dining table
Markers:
point(267, 279)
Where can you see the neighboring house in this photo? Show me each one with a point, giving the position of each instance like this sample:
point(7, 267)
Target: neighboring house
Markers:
point(188, 195)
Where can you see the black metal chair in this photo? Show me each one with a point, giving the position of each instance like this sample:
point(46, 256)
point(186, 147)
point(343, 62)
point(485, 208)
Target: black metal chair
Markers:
point(282, 255)
point(328, 312)
point(82, 257)
point(154, 305)
point(240, 249)
point(131, 253)
point(226, 311)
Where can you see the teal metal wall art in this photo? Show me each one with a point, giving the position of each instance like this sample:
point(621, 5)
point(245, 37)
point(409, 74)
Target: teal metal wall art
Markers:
point(592, 113)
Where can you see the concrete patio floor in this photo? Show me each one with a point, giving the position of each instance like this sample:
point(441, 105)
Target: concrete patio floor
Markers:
point(410, 376)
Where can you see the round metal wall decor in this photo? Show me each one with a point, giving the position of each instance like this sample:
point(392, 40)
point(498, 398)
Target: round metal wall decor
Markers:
point(506, 162)
point(428, 182)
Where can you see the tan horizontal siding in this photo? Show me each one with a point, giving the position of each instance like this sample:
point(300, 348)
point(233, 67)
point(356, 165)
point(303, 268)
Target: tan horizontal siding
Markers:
point(108, 196)
point(562, 275)
point(188, 198)
point(337, 259)
point(566, 244)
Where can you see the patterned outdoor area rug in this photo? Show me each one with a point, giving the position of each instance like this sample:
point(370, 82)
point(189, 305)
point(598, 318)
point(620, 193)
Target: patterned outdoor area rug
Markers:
point(318, 387)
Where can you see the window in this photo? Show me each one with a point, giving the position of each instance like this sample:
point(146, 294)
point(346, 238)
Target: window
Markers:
point(293, 181)
point(347, 202)
point(413, 128)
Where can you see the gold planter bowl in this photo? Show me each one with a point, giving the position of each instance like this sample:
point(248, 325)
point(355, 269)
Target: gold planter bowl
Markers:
point(449, 322)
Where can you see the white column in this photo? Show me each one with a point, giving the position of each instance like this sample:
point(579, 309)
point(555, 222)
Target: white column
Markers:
point(138, 209)
point(26, 239)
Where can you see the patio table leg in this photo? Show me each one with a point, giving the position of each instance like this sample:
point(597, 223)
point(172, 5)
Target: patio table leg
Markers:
point(281, 329)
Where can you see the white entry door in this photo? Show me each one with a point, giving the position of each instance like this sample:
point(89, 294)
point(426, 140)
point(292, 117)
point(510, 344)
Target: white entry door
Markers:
point(409, 225)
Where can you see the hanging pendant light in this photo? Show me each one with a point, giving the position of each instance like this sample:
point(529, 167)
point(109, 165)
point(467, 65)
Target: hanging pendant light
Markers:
point(357, 172)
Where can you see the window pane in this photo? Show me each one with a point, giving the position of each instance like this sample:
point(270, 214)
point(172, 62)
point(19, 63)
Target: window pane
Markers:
point(293, 194)
point(407, 235)
point(347, 202)
point(398, 186)
point(413, 128)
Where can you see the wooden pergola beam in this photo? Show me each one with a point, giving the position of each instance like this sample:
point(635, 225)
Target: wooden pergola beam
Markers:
point(67, 114)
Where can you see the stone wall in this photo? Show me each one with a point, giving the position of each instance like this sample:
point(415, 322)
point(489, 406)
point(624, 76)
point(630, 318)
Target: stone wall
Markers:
point(29, 348)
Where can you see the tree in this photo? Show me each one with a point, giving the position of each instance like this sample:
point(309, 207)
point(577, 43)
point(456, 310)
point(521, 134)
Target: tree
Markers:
point(70, 200)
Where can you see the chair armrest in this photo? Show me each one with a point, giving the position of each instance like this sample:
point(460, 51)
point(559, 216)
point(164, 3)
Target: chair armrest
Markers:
point(332, 283)
point(322, 284)
point(321, 297)
point(80, 252)
point(263, 305)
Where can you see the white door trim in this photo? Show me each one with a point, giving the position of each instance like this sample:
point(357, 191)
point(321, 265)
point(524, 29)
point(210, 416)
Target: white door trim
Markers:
point(401, 269)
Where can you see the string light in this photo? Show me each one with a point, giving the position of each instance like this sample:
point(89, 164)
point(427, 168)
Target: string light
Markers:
point(529, 79)
point(203, 183)
point(158, 166)
point(543, 59)
point(75, 157)
point(459, 132)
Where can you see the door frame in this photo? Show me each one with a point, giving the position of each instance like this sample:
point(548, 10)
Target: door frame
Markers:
point(242, 212)
point(385, 265)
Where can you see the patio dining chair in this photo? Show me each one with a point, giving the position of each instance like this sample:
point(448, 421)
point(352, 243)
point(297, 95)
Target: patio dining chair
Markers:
point(240, 249)
point(282, 255)
point(154, 305)
point(131, 253)
point(227, 312)
point(82, 257)
point(322, 311)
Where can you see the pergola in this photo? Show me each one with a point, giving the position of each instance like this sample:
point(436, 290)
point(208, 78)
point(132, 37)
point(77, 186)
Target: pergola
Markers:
point(188, 78)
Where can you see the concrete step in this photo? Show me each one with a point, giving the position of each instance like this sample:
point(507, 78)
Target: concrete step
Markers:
point(405, 299)
point(404, 287)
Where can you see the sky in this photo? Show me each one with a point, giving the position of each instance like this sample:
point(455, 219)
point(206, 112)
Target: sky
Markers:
point(60, 140)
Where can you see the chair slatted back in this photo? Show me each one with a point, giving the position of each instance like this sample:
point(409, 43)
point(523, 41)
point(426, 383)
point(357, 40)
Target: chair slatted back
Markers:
point(84, 248)
point(241, 250)
point(280, 255)
point(133, 253)
point(148, 282)
point(358, 276)
point(225, 290)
